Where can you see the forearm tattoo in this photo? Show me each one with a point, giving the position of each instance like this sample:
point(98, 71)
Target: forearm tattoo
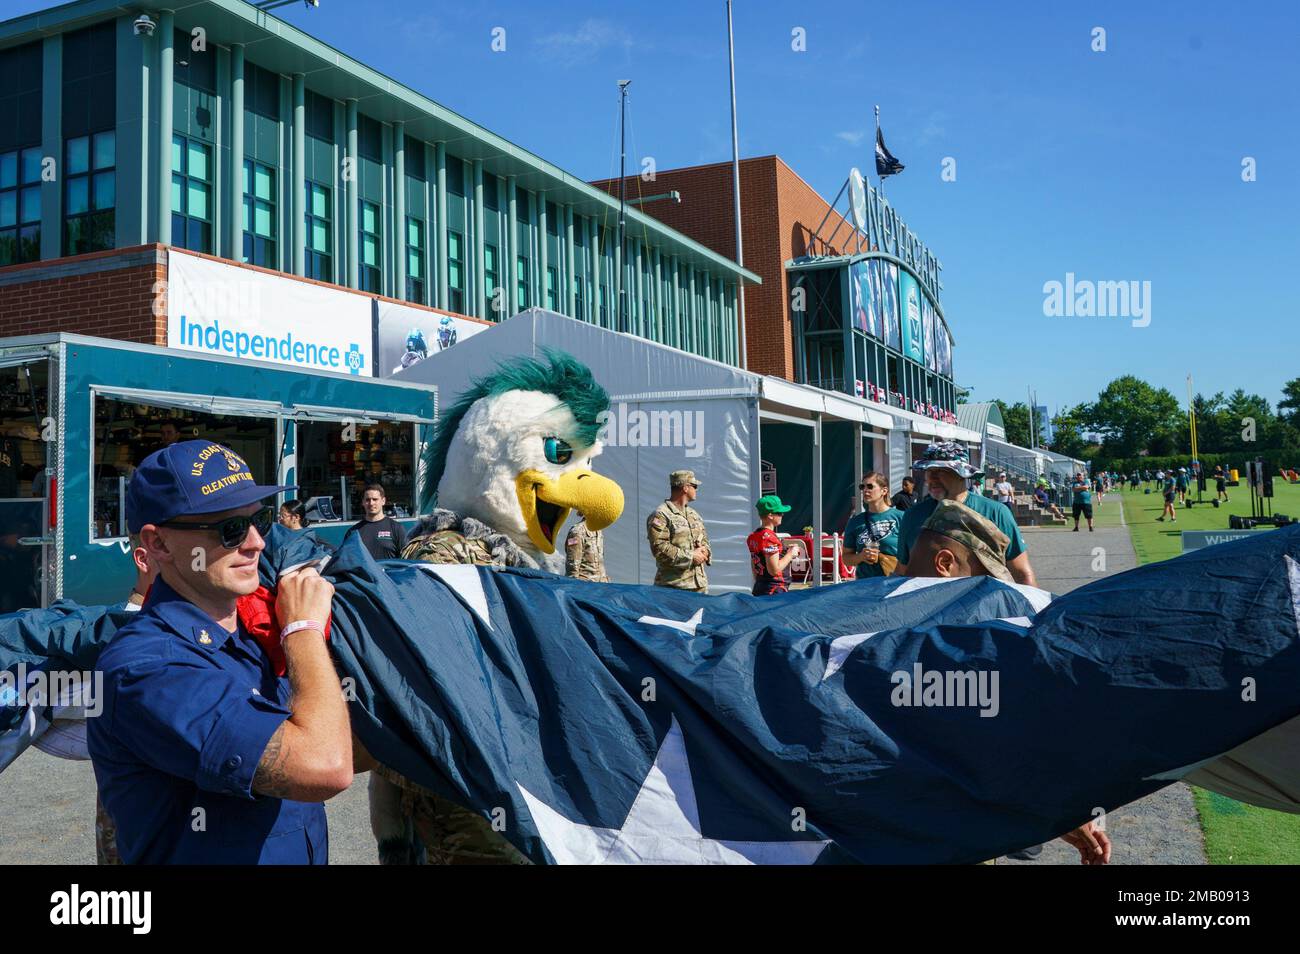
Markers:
point(272, 777)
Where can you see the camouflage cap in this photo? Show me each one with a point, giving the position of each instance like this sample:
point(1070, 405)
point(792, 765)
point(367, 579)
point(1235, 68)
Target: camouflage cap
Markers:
point(974, 531)
point(681, 478)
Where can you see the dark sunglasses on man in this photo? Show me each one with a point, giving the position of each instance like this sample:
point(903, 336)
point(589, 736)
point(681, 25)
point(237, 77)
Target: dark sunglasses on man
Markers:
point(233, 530)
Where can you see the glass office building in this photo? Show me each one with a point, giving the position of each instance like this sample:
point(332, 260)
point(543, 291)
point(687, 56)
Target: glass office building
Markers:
point(223, 130)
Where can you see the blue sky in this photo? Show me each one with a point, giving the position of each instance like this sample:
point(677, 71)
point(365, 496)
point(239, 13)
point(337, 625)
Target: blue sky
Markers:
point(1120, 165)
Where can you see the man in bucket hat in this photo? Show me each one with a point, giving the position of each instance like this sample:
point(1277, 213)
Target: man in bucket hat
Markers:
point(198, 721)
point(947, 472)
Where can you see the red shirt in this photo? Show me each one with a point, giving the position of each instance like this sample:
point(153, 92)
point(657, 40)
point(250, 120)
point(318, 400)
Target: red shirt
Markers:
point(762, 542)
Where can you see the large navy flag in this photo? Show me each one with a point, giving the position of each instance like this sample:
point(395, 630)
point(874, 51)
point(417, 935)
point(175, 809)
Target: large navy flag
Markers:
point(881, 721)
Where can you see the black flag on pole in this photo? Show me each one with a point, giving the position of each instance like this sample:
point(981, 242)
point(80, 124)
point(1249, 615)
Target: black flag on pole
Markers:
point(886, 164)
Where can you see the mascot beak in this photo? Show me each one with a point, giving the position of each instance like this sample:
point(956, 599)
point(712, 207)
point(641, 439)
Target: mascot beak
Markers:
point(545, 503)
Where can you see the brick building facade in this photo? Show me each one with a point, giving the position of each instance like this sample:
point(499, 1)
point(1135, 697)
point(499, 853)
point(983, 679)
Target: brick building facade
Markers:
point(105, 294)
point(780, 213)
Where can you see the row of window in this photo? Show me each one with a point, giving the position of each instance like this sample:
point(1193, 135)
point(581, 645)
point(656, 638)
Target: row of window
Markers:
point(89, 198)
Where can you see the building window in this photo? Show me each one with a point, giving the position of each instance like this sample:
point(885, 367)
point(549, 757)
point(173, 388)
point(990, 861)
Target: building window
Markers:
point(20, 206)
point(455, 176)
point(20, 128)
point(370, 138)
point(319, 116)
point(191, 194)
point(521, 283)
point(89, 198)
point(456, 271)
point(371, 276)
point(261, 91)
point(414, 158)
point(89, 80)
point(196, 68)
point(318, 258)
point(552, 283)
point(490, 278)
point(259, 214)
point(415, 260)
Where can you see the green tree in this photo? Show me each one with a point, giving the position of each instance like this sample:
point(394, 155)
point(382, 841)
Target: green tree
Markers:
point(1130, 415)
point(1067, 433)
point(1249, 422)
point(1289, 407)
point(1015, 419)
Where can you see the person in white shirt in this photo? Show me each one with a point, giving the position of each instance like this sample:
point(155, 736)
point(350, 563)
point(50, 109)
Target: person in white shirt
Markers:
point(1003, 489)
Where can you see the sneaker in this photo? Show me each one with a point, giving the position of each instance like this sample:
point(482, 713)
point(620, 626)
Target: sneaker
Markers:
point(1076, 529)
point(1090, 529)
point(1160, 519)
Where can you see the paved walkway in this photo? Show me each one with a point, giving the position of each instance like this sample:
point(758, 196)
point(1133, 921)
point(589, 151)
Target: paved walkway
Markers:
point(47, 815)
point(1162, 828)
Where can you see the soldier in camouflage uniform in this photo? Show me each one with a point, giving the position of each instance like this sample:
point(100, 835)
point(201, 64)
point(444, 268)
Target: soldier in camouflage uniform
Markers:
point(584, 553)
point(412, 824)
point(678, 540)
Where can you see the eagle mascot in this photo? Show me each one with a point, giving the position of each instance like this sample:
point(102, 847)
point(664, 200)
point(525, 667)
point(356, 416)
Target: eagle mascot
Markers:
point(510, 461)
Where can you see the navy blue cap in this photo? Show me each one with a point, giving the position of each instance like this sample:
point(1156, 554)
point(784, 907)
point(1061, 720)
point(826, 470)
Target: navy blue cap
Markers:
point(190, 477)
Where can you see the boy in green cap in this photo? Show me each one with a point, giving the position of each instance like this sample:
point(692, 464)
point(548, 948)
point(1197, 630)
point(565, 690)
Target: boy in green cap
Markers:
point(765, 548)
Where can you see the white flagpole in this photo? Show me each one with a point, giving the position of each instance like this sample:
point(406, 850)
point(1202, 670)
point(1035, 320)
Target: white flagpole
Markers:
point(876, 145)
point(735, 189)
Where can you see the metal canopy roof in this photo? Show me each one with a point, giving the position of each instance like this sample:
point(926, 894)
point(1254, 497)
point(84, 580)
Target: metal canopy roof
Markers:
point(275, 45)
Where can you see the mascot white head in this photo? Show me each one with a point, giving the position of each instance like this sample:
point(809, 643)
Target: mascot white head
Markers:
point(515, 453)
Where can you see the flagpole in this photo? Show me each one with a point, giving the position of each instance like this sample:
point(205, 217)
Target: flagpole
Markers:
point(735, 188)
point(874, 146)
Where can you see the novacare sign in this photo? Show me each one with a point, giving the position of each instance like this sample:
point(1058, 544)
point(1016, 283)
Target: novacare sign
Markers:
point(214, 308)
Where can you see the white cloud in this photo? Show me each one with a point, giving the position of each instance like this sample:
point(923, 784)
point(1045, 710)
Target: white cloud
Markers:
point(852, 137)
point(591, 37)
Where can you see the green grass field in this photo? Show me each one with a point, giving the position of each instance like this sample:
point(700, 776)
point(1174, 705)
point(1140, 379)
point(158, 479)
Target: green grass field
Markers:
point(1235, 833)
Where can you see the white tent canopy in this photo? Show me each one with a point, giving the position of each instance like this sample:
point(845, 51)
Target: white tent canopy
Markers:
point(672, 410)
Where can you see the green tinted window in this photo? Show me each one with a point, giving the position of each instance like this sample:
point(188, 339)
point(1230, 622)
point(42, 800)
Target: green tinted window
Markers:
point(105, 150)
point(78, 155)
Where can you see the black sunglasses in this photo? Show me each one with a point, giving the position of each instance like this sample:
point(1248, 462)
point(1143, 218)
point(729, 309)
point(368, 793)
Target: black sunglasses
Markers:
point(233, 530)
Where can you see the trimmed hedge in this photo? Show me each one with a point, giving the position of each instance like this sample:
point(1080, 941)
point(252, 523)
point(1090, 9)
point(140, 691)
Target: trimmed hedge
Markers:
point(1275, 457)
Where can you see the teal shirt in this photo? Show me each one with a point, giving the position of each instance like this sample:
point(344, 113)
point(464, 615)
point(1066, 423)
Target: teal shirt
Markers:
point(915, 517)
point(882, 528)
point(1082, 495)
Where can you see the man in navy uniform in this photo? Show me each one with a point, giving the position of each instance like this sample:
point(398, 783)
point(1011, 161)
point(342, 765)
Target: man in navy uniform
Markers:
point(203, 752)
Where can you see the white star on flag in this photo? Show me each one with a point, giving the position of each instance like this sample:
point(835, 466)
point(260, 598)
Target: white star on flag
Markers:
point(662, 827)
point(687, 626)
